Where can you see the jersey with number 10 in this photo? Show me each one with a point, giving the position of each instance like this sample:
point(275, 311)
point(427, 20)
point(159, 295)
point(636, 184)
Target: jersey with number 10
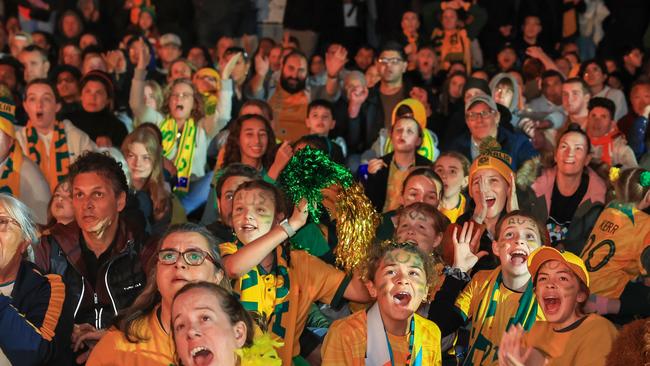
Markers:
point(613, 251)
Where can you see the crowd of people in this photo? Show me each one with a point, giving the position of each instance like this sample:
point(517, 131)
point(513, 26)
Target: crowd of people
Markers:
point(302, 182)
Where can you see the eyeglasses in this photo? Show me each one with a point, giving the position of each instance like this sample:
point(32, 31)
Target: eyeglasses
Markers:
point(5, 221)
point(182, 96)
point(390, 60)
point(193, 257)
point(473, 116)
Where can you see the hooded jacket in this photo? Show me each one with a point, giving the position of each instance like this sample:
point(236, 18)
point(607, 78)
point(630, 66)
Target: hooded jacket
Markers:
point(118, 283)
point(514, 106)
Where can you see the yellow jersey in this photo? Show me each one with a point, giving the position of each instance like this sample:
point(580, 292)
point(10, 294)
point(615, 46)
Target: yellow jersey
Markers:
point(587, 342)
point(346, 341)
point(492, 308)
point(612, 254)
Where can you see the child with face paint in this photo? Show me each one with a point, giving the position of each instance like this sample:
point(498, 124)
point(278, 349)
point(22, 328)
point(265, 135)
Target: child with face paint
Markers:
point(493, 300)
point(453, 168)
point(568, 336)
point(279, 283)
point(422, 184)
point(389, 332)
point(421, 224)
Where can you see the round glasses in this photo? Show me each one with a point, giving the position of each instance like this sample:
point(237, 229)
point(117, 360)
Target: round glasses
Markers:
point(193, 257)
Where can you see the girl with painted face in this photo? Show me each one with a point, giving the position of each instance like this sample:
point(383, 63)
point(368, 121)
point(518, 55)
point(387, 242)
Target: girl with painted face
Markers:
point(493, 300)
point(390, 332)
point(273, 280)
point(141, 336)
point(568, 336)
point(212, 328)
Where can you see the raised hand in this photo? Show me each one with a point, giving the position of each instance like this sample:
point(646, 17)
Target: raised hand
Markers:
point(465, 246)
point(513, 203)
point(261, 64)
point(226, 71)
point(511, 349)
point(335, 59)
point(480, 212)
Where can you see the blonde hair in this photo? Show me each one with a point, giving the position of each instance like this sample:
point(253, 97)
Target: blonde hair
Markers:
point(628, 187)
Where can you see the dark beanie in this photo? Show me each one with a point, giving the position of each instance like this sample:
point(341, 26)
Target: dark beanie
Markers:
point(477, 83)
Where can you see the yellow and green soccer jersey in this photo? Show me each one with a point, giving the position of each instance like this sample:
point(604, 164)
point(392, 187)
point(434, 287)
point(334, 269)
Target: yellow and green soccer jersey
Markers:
point(310, 279)
point(613, 251)
point(347, 340)
point(487, 328)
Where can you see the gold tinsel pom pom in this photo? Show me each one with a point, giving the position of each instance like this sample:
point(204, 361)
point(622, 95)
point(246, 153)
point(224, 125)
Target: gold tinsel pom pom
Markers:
point(356, 224)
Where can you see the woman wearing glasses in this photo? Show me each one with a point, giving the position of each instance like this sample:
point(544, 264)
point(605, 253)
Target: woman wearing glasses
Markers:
point(142, 333)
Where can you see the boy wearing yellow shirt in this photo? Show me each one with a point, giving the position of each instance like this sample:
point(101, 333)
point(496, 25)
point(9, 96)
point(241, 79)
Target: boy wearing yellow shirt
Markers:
point(569, 336)
point(389, 332)
point(493, 300)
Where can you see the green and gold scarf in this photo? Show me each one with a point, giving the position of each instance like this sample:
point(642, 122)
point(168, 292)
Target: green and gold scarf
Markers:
point(55, 168)
point(10, 177)
point(185, 152)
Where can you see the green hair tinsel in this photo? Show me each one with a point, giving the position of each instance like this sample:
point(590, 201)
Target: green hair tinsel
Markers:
point(309, 171)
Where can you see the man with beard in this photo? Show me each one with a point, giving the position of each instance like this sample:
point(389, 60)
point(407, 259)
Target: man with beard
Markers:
point(290, 98)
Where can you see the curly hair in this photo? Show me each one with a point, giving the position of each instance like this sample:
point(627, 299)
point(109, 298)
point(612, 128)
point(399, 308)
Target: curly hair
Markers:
point(379, 251)
point(197, 105)
point(232, 153)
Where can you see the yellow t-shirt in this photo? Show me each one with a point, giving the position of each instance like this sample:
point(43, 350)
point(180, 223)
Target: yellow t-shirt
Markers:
point(310, 280)
point(585, 343)
point(485, 338)
point(454, 213)
point(394, 187)
point(612, 253)
point(346, 341)
point(114, 349)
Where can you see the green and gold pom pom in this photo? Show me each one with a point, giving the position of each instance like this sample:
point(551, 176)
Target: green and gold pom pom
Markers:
point(309, 171)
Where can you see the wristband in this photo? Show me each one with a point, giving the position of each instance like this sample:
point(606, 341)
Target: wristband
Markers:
point(284, 224)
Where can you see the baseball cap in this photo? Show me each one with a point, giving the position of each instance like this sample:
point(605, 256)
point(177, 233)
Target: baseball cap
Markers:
point(483, 99)
point(544, 254)
point(170, 39)
point(417, 112)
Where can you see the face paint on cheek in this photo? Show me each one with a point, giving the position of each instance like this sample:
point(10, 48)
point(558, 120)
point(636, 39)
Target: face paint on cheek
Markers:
point(100, 229)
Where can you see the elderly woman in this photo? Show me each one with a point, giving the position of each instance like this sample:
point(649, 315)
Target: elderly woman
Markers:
point(142, 333)
point(35, 316)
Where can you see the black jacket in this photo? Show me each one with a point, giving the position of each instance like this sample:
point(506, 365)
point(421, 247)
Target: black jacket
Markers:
point(118, 283)
point(377, 183)
point(36, 320)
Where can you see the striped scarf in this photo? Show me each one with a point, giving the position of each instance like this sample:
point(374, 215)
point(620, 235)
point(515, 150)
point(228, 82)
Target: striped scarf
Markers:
point(484, 316)
point(184, 151)
point(248, 291)
point(10, 177)
point(54, 167)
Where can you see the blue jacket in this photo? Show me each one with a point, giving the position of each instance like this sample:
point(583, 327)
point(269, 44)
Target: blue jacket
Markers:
point(515, 144)
point(36, 321)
